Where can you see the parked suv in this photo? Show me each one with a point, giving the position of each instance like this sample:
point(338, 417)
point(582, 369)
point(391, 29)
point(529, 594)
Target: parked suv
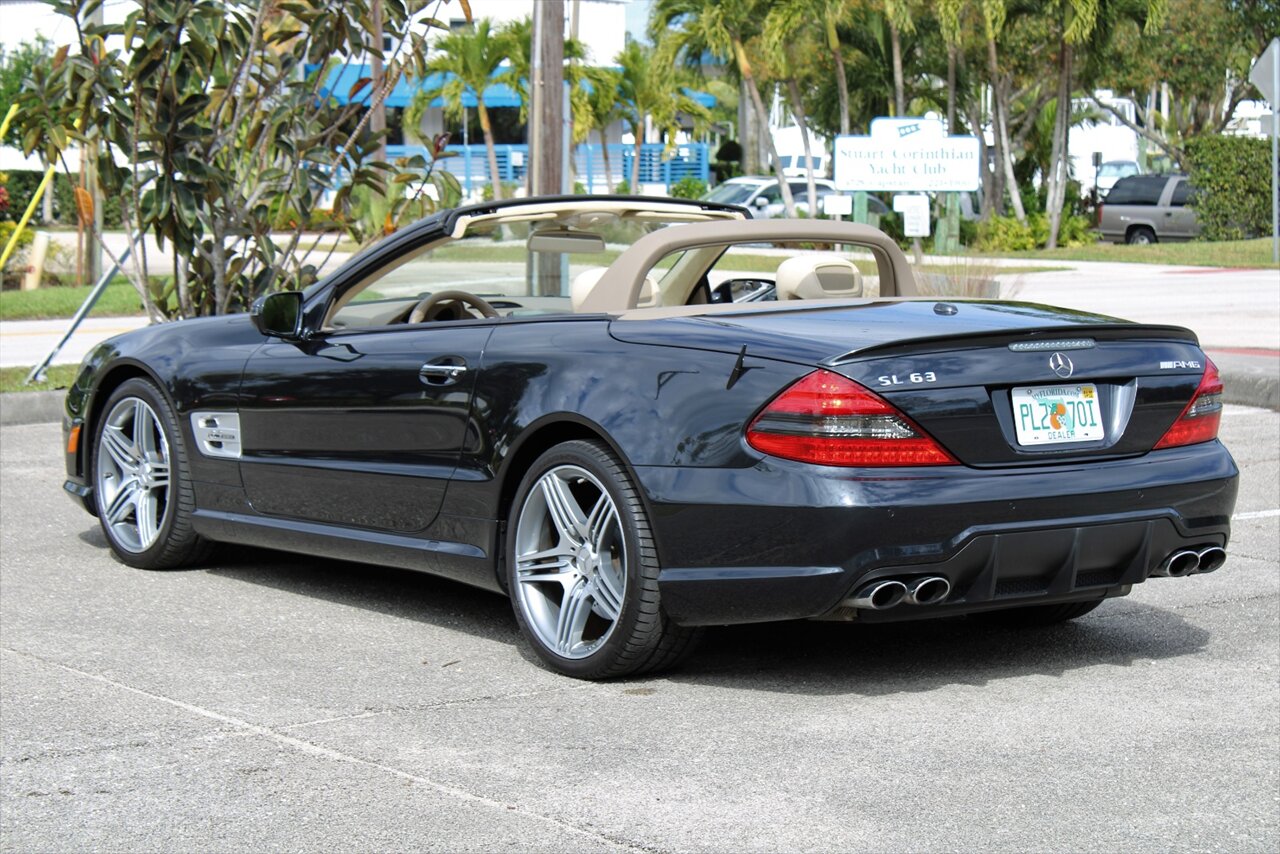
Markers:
point(1148, 209)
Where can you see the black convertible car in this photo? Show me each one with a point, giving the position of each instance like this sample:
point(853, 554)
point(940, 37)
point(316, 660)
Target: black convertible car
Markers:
point(725, 421)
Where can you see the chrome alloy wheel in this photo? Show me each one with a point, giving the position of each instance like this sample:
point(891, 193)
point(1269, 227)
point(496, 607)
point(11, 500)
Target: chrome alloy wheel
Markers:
point(132, 475)
point(571, 562)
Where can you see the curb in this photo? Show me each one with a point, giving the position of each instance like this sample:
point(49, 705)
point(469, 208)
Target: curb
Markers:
point(31, 407)
point(1246, 385)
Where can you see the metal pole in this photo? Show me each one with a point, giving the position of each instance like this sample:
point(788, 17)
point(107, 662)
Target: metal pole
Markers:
point(1275, 160)
point(37, 373)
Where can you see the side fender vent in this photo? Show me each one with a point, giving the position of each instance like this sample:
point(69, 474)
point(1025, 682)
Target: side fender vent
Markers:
point(217, 434)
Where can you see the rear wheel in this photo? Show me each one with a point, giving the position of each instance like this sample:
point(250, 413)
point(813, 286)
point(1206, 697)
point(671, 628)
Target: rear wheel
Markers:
point(140, 483)
point(582, 568)
point(1038, 615)
point(1140, 236)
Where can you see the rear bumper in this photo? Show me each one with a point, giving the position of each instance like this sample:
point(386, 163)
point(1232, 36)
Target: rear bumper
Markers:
point(787, 541)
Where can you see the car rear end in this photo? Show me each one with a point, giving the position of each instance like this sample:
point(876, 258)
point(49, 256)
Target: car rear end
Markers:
point(950, 475)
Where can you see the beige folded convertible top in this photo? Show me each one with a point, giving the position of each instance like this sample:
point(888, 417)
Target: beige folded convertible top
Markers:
point(619, 288)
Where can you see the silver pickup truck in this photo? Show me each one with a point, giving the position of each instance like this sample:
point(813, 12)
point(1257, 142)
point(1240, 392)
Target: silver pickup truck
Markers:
point(1148, 209)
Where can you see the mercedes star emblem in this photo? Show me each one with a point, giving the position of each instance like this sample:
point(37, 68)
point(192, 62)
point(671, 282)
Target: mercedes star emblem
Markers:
point(1061, 365)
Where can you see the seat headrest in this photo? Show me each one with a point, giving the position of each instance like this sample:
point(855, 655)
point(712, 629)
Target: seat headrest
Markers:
point(585, 281)
point(582, 284)
point(818, 277)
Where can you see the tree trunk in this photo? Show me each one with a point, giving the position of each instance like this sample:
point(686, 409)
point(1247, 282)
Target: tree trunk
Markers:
point(608, 170)
point(951, 89)
point(842, 82)
point(999, 114)
point(744, 68)
point(793, 89)
point(899, 96)
point(1059, 153)
point(487, 130)
point(378, 116)
point(635, 160)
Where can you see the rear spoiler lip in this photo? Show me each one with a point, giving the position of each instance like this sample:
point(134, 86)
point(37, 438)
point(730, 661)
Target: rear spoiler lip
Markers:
point(975, 340)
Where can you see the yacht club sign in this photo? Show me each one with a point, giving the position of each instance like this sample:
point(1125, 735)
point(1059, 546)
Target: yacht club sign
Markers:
point(907, 154)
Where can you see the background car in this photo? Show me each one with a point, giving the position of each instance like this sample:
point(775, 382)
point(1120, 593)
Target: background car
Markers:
point(1112, 171)
point(633, 460)
point(761, 193)
point(1147, 209)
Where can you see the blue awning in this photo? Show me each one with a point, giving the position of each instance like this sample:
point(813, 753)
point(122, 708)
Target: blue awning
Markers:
point(343, 77)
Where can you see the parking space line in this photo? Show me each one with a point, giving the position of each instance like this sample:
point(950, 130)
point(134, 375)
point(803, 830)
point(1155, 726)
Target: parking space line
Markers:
point(333, 755)
point(1256, 514)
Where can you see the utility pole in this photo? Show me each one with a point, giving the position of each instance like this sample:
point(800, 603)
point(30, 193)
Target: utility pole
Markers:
point(547, 137)
point(91, 261)
point(378, 119)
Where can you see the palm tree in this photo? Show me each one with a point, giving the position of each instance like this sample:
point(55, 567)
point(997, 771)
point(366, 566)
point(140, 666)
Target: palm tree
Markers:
point(690, 28)
point(468, 59)
point(650, 88)
point(787, 24)
point(603, 108)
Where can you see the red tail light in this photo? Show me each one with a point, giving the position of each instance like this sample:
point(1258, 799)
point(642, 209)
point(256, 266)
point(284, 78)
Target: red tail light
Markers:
point(1199, 421)
point(827, 419)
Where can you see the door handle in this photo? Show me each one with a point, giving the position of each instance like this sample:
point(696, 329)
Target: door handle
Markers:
point(434, 373)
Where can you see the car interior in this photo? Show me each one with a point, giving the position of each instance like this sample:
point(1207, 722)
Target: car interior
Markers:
point(517, 266)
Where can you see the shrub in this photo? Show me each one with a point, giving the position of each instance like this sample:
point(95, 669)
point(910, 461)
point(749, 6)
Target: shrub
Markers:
point(1230, 173)
point(1005, 234)
point(689, 187)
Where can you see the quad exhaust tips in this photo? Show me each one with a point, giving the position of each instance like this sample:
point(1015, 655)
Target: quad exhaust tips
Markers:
point(1211, 558)
point(927, 591)
point(1186, 562)
point(886, 593)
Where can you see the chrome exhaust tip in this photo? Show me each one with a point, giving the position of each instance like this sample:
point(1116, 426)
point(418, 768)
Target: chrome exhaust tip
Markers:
point(878, 595)
point(1180, 563)
point(929, 590)
point(1212, 558)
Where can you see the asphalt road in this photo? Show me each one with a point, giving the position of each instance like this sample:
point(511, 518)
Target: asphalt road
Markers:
point(271, 702)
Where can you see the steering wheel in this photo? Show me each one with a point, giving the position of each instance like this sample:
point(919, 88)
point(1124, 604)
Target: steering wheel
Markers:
point(429, 306)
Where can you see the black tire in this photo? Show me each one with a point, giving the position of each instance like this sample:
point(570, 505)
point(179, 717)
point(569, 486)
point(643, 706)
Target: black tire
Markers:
point(171, 543)
point(1140, 236)
point(641, 638)
point(1032, 616)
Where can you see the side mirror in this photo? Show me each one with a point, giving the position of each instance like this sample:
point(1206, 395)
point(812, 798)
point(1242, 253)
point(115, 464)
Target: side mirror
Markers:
point(761, 202)
point(278, 315)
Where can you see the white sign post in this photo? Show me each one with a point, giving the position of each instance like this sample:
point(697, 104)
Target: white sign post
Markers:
point(1266, 76)
point(834, 204)
point(907, 154)
point(915, 213)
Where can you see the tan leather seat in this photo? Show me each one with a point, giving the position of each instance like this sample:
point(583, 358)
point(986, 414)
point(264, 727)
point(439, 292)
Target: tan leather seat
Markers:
point(585, 281)
point(818, 277)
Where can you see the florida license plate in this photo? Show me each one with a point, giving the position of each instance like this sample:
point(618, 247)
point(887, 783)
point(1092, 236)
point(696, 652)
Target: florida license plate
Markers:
point(1054, 415)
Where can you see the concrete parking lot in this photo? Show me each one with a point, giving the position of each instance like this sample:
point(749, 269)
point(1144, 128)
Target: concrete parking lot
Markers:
point(267, 701)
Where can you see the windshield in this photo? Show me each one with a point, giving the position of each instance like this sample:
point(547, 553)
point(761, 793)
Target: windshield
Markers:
point(731, 194)
point(1117, 170)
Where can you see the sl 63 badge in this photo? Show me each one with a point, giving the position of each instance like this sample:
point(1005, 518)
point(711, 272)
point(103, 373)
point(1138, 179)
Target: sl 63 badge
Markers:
point(894, 379)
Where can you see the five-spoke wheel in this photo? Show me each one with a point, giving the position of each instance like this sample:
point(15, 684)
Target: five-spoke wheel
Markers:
point(582, 568)
point(133, 474)
point(140, 486)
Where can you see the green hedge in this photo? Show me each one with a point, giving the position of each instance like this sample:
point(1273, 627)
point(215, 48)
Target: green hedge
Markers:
point(1233, 177)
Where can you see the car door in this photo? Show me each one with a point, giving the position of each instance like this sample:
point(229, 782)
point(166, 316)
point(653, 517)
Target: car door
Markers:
point(1180, 216)
point(359, 428)
point(361, 421)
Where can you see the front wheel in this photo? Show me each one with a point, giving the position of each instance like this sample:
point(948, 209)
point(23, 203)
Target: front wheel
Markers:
point(582, 568)
point(141, 488)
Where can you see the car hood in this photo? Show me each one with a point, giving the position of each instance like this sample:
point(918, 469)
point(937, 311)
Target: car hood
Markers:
point(826, 333)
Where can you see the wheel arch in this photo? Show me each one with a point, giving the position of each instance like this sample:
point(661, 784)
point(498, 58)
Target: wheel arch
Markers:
point(1141, 226)
point(536, 439)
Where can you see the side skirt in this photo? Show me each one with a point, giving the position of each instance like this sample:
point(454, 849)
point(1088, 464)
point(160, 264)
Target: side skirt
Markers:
point(457, 561)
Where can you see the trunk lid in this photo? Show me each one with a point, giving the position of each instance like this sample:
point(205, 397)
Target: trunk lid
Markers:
point(995, 383)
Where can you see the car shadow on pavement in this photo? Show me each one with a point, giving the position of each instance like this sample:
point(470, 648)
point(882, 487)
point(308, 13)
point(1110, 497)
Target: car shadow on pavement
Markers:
point(807, 657)
point(802, 657)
